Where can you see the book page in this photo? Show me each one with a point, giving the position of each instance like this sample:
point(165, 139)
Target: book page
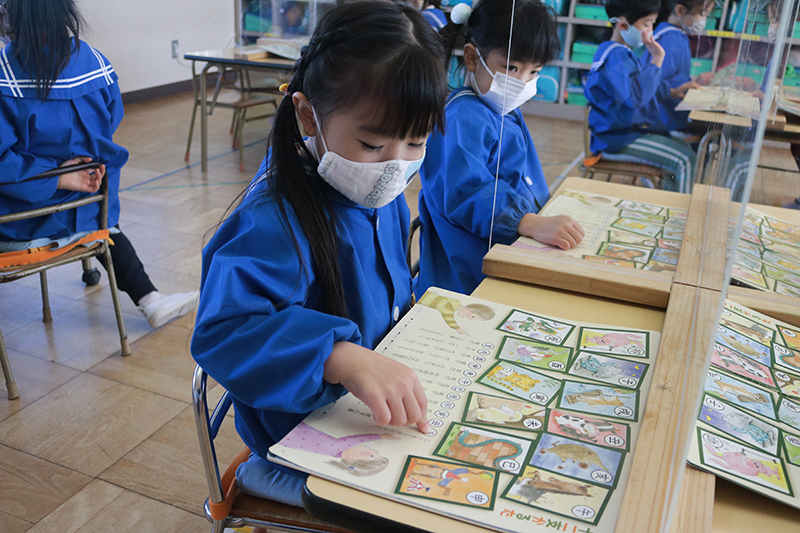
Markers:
point(533, 419)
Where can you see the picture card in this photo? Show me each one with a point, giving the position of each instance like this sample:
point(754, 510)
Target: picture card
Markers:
point(521, 382)
point(537, 327)
point(786, 358)
point(780, 225)
point(485, 448)
point(791, 447)
point(666, 256)
point(434, 479)
point(745, 261)
point(607, 369)
point(748, 277)
point(790, 336)
point(623, 237)
point(503, 412)
point(578, 460)
point(778, 246)
point(789, 384)
point(788, 238)
point(673, 233)
point(727, 359)
point(747, 327)
point(637, 226)
point(614, 341)
point(780, 261)
point(744, 345)
point(637, 215)
point(740, 393)
point(782, 275)
point(787, 290)
point(749, 249)
point(740, 425)
point(624, 252)
point(641, 207)
point(789, 412)
point(589, 429)
point(600, 400)
point(657, 266)
point(670, 244)
point(534, 354)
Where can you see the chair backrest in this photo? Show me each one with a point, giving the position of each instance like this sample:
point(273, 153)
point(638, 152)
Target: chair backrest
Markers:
point(587, 133)
point(415, 226)
point(207, 430)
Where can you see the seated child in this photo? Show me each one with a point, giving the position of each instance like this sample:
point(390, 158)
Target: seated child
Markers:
point(624, 116)
point(474, 187)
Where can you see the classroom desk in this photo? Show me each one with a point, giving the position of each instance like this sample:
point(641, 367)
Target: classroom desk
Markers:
point(221, 58)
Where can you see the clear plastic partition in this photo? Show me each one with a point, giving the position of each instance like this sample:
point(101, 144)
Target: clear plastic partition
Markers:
point(287, 19)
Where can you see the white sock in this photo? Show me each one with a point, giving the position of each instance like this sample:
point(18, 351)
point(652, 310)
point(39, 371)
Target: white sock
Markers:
point(149, 298)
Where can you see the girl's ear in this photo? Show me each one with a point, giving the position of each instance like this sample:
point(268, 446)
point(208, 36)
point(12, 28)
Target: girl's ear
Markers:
point(623, 23)
point(305, 113)
point(470, 57)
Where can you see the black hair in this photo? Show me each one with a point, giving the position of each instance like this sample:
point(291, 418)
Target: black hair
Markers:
point(632, 10)
point(668, 7)
point(42, 32)
point(369, 50)
point(535, 38)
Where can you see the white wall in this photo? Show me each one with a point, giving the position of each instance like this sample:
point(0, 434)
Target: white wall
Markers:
point(136, 35)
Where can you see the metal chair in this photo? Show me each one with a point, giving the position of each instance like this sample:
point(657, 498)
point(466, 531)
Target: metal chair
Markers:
point(226, 506)
point(78, 253)
point(595, 164)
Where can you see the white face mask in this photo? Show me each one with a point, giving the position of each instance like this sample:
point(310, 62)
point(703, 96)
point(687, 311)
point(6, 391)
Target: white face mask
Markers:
point(371, 185)
point(697, 27)
point(632, 36)
point(506, 92)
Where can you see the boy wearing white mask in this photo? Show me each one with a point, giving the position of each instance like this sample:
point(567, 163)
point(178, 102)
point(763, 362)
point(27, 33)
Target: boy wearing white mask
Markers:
point(624, 117)
point(457, 203)
point(679, 19)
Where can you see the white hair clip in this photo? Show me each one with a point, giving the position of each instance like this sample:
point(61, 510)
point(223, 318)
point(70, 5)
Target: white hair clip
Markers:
point(460, 13)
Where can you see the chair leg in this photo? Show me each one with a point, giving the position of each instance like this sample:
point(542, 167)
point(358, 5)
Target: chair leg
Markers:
point(47, 318)
point(242, 121)
point(191, 129)
point(13, 393)
point(112, 282)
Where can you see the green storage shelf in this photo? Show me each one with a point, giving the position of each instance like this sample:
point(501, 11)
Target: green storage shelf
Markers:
point(583, 11)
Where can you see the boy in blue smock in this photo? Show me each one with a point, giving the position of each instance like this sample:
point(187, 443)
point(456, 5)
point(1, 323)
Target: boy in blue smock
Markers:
point(624, 117)
point(482, 178)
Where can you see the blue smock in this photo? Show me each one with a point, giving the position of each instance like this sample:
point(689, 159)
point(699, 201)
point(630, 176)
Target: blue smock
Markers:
point(458, 188)
point(261, 329)
point(676, 70)
point(435, 17)
point(78, 118)
point(622, 94)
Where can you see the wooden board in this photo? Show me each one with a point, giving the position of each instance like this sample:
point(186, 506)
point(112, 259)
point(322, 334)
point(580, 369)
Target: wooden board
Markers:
point(668, 422)
point(696, 504)
point(720, 118)
point(702, 260)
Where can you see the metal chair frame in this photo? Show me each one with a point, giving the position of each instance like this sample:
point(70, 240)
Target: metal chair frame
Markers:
point(416, 226)
point(83, 254)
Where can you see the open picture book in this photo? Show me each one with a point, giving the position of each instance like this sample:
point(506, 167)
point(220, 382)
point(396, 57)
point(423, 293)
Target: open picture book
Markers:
point(534, 419)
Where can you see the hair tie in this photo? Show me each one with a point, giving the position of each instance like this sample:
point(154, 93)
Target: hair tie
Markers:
point(284, 88)
point(460, 14)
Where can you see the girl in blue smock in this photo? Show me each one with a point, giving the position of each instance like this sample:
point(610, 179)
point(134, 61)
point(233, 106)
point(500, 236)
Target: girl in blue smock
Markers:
point(466, 197)
point(60, 104)
point(434, 15)
point(680, 19)
point(624, 117)
point(308, 274)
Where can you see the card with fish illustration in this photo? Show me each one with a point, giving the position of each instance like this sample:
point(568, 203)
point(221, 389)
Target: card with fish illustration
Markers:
point(503, 412)
point(747, 262)
point(521, 382)
point(791, 448)
point(536, 327)
point(789, 412)
point(637, 215)
point(789, 384)
point(669, 244)
point(534, 354)
point(786, 358)
point(749, 249)
point(740, 425)
point(625, 252)
point(781, 275)
point(747, 327)
point(641, 207)
point(666, 256)
point(780, 261)
point(782, 226)
point(673, 233)
point(776, 235)
point(750, 237)
point(434, 479)
point(740, 393)
point(607, 369)
point(749, 277)
point(614, 341)
point(727, 359)
point(623, 237)
point(677, 222)
point(637, 226)
point(609, 261)
point(597, 431)
point(786, 289)
point(677, 213)
point(720, 454)
point(744, 345)
point(485, 448)
point(657, 266)
point(557, 494)
point(578, 460)
point(600, 400)
point(778, 246)
point(790, 336)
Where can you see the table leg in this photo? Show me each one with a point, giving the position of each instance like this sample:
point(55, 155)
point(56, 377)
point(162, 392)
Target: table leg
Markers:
point(204, 118)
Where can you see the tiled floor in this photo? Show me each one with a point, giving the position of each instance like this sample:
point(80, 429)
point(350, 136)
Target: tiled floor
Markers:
point(98, 443)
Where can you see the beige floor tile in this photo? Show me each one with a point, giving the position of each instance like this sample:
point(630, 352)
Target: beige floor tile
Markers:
point(35, 378)
point(21, 304)
point(12, 524)
point(167, 466)
point(81, 335)
point(32, 487)
point(153, 243)
point(88, 423)
point(102, 507)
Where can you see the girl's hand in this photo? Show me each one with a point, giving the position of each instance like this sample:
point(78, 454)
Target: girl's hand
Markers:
point(391, 390)
point(83, 180)
point(561, 230)
point(655, 49)
point(680, 92)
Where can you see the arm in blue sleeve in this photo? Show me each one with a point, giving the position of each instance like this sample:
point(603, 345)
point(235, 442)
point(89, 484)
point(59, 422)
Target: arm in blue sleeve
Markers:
point(644, 85)
point(255, 334)
point(17, 165)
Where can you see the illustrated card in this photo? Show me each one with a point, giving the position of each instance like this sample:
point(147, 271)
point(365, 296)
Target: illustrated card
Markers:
point(789, 412)
point(748, 277)
point(739, 425)
point(664, 255)
point(779, 261)
point(624, 252)
point(521, 382)
point(786, 357)
point(609, 261)
point(673, 233)
point(588, 429)
point(727, 359)
point(791, 337)
point(752, 238)
point(740, 394)
point(778, 246)
point(656, 266)
point(606, 369)
point(503, 412)
point(677, 213)
point(782, 226)
point(789, 384)
point(612, 341)
point(788, 238)
point(749, 249)
point(786, 289)
point(748, 262)
point(669, 244)
point(578, 460)
point(637, 226)
point(434, 479)
point(750, 328)
point(623, 237)
point(537, 327)
point(641, 207)
point(744, 345)
point(534, 354)
point(600, 400)
point(782, 275)
point(744, 462)
point(484, 448)
point(637, 215)
point(557, 494)
point(791, 447)
point(677, 222)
